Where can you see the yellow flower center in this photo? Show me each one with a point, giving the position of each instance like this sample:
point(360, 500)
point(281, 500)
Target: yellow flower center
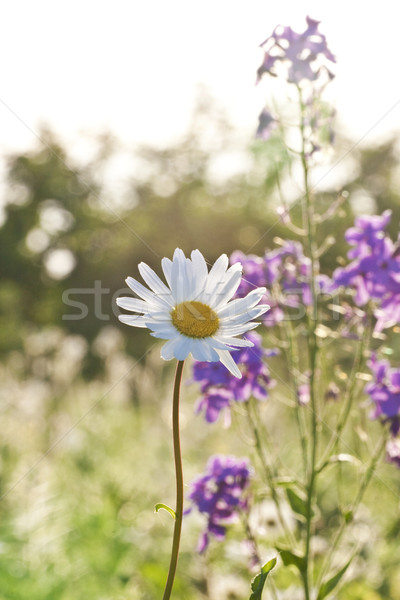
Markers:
point(195, 319)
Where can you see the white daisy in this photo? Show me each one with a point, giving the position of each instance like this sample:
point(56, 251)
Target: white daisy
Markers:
point(194, 312)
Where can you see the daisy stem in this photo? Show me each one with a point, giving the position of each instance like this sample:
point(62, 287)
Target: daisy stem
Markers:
point(179, 482)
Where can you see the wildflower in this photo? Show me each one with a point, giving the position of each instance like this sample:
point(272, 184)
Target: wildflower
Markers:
point(193, 311)
point(219, 494)
point(384, 390)
point(285, 272)
point(221, 391)
point(374, 273)
point(304, 54)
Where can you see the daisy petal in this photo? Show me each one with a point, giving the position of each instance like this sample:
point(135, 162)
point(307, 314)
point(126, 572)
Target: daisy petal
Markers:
point(241, 305)
point(216, 274)
point(178, 347)
point(134, 320)
point(155, 283)
point(179, 277)
point(203, 351)
point(164, 331)
point(237, 329)
point(168, 350)
point(143, 292)
point(228, 362)
point(251, 314)
point(133, 304)
point(233, 341)
point(226, 292)
point(200, 272)
point(166, 265)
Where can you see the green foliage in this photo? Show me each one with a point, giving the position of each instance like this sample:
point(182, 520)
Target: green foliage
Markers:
point(298, 503)
point(292, 558)
point(328, 586)
point(257, 585)
point(160, 506)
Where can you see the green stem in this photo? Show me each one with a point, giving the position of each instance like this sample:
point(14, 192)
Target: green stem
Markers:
point(348, 399)
point(309, 227)
point(294, 368)
point(179, 482)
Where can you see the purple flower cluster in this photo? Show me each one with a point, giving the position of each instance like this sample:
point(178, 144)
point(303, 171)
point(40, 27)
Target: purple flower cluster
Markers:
point(374, 272)
point(220, 390)
point(220, 494)
point(285, 272)
point(304, 54)
point(384, 391)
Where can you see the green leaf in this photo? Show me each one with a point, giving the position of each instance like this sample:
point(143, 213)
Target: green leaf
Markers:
point(348, 516)
point(257, 585)
point(298, 503)
point(165, 507)
point(329, 585)
point(292, 558)
point(284, 481)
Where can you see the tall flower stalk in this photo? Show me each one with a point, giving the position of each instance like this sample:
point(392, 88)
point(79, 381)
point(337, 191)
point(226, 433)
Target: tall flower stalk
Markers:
point(312, 343)
point(293, 281)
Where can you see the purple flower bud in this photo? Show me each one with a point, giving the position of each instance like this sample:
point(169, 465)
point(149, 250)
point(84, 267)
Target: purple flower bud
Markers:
point(393, 451)
point(303, 394)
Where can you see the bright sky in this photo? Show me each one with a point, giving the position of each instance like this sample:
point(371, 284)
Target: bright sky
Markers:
point(134, 66)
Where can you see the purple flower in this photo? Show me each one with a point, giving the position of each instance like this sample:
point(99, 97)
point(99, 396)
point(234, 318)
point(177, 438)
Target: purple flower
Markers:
point(384, 390)
point(367, 233)
point(220, 495)
point(213, 402)
point(304, 54)
point(285, 272)
point(220, 390)
point(374, 273)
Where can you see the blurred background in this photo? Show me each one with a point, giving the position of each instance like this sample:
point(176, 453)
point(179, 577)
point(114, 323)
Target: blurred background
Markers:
point(128, 130)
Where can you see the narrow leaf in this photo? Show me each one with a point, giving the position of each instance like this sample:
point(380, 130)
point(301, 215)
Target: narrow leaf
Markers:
point(257, 585)
point(298, 503)
point(284, 481)
point(329, 585)
point(292, 558)
point(165, 507)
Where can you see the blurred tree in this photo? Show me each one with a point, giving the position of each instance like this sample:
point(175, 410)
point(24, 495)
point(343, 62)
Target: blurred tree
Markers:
point(68, 242)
